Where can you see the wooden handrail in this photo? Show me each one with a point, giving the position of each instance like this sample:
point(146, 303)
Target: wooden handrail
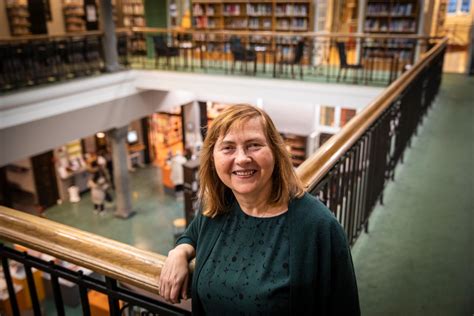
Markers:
point(106, 256)
point(49, 37)
point(313, 169)
point(151, 30)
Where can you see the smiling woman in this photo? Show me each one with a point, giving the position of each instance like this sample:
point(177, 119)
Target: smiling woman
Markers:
point(262, 245)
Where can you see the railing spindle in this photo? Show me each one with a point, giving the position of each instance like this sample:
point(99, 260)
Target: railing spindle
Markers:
point(58, 298)
point(32, 288)
point(9, 281)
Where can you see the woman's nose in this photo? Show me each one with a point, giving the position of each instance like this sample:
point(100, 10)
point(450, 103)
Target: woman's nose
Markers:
point(242, 156)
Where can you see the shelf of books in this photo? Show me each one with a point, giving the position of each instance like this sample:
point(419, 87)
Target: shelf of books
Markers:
point(251, 15)
point(18, 17)
point(392, 17)
point(166, 135)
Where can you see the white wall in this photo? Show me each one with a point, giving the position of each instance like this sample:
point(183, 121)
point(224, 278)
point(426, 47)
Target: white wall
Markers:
point(45, 118)
point(34, 137)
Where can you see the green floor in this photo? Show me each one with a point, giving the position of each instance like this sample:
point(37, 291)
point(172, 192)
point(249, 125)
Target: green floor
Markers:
point(418, 256)
point(150, 229)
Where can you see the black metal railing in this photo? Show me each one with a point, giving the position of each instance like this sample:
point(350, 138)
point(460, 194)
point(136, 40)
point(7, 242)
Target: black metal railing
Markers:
point(27, 62)
point(351, 58)
point(122, 299)
point(356, 182)
point(347, 58)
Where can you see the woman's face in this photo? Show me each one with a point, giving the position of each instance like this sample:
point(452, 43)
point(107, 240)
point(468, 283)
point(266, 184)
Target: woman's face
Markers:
point(244, 160)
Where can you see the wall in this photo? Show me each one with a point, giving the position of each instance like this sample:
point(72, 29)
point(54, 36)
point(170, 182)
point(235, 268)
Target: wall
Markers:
point(458, 31)
point(56, 25)
point(45, 118)
point(34, 137)
point(4, 27)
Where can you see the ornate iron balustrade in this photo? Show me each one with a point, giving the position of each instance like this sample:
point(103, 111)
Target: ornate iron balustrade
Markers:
point(350, 171)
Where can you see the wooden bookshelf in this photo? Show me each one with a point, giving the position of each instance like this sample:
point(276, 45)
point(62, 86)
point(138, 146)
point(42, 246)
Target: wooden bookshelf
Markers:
point(74, 16)
point(18, 17)
point(207, 15)
point(296, 146)
point(166, 135)
point(391, 16)
point(133, 13)
point(251, 15)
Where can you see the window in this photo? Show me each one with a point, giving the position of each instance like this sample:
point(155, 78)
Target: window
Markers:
point(459, 6)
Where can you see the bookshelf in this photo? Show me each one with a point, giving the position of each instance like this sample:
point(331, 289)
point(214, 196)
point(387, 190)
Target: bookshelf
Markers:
point(207, 15)
point(74, 16)
point(293, 16)
point(296, 146)
point(251, 15)
point(166, 135)
point(133, 13)
point(18, 17)
point(392, 16)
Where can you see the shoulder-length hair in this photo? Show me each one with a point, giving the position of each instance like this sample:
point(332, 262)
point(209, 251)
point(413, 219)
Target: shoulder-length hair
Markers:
point(215, 196)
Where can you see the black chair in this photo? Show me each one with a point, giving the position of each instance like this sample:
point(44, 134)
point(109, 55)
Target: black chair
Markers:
point(344, 65)
point(122, 50)
point(295, 59)
point(93, 54)
point(242, 54)
point(163, 50)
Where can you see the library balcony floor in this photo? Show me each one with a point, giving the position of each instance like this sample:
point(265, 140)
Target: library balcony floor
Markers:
point(418, 256)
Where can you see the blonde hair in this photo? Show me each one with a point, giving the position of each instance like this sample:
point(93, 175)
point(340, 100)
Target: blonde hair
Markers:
point(216, 197)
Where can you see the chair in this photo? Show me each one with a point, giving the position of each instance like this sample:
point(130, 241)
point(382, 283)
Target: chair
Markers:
point(242, 54)
point(163, 50)
point(122, 50)
point(295, 59)
point(341, 49)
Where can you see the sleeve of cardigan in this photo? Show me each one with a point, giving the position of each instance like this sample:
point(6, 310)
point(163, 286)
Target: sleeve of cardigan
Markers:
point(344, 294)
point(191, 234)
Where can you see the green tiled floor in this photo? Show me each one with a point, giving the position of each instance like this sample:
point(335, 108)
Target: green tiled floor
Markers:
point(150, 229)
point(418, 256)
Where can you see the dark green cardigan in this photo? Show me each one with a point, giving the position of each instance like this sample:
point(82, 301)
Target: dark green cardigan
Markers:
point(322, 279)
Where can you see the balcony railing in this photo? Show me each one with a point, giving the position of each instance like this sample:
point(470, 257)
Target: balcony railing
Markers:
point(348, 173)
point(348, 58)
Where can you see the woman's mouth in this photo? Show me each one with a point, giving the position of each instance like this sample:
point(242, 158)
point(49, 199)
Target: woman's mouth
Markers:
point(244, 173)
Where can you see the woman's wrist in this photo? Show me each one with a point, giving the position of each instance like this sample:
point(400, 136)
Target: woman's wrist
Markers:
point(184, 250)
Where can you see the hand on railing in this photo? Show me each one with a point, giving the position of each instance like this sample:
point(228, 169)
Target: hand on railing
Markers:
point(175, 274)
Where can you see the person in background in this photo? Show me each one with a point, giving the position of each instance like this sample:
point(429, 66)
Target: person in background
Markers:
point(98, 185)
point(177, 173)
point(262, 245)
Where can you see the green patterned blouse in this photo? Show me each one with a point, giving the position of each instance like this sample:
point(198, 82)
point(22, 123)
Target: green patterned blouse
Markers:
point(247, 272)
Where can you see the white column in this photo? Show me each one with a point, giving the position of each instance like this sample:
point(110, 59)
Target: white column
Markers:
point(360, 27)
point(121, 176)
point(109, 42)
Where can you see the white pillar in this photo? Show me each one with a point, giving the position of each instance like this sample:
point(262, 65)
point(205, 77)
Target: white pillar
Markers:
point(360, 27)
point(109, 42)
point(121, 176)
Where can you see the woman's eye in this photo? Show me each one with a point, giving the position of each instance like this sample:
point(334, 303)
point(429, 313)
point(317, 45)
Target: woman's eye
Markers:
point(227, 149)
point(254, 146)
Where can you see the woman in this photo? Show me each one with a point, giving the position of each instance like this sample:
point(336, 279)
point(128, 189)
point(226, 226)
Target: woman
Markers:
point(98, 185)
point(262, 245)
